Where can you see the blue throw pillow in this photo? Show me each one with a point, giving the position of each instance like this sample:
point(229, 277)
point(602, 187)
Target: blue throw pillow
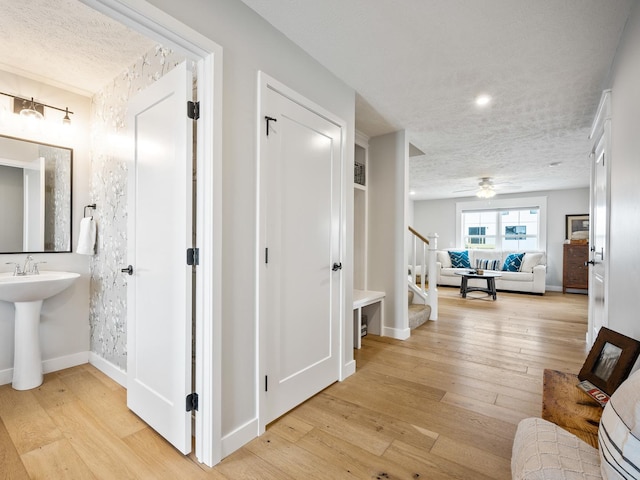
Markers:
point(513, 262)
point(460, 259)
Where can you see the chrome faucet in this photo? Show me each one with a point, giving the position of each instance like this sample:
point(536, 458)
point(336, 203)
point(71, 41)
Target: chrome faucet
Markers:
point(26, 269)
point(29, 268)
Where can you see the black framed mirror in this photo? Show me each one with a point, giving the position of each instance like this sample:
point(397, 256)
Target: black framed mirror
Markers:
point(35, 196)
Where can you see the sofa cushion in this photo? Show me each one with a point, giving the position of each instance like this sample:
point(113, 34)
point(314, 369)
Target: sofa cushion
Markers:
point(543, 450)
point(459, 259)
point(619, 432)
point(443, 257)
point(515, 277)
point(530, 260)
point(486, 264)
point(513, 262)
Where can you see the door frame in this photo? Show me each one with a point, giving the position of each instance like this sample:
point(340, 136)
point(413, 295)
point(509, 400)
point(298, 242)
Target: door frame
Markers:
point(161, 27)
point(266, 82)
point(601, 137)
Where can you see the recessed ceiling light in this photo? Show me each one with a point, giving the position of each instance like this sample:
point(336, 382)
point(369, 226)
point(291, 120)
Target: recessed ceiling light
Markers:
point(412, 192)
point(483, 100)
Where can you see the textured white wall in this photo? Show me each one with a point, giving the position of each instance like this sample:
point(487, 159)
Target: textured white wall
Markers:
point(439, 216)
point(624, 254)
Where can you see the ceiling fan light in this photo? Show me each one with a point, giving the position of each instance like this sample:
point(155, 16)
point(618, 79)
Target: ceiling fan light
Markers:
point(486, 192)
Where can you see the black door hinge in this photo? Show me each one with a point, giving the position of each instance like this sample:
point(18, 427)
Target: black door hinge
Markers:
point(193, 256)
point(192, 402)
point(266, 383)
point(193, 110)
point(266, 255)
point(269, 119)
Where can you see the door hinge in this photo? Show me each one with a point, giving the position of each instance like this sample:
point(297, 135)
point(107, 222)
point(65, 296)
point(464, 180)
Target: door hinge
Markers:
point(193, 256)
point(266, 255)
point(193, 110)
point(266, 383)
point(192, 402)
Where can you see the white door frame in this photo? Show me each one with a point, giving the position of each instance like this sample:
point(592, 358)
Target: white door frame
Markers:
point(161, 27)
point(266, 82)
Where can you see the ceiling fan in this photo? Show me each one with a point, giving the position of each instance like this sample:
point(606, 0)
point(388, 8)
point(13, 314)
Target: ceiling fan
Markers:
point(486, 190)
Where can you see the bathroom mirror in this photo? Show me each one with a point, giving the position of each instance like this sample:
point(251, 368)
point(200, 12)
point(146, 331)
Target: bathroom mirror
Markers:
point(35, 196)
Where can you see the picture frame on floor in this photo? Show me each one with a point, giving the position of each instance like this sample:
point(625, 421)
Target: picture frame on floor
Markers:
point(610, 360)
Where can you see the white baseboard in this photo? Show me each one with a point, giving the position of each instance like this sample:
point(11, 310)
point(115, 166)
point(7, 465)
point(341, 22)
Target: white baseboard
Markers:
point(6, 376)
point(239, 437)
point(553, 288)
point(348, 369)
point(397, 333)
point(112, 371)
point(51, 365)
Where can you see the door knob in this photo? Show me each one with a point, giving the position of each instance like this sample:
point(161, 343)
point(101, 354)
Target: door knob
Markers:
point(590, 262)
point(336, 267)
point(128, 270)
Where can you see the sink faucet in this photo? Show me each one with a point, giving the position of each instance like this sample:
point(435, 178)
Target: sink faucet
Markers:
point(26, 269)
point(29, 268)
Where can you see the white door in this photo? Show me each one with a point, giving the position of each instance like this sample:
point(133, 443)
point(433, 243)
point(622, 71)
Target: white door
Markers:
point(599, 222)
point(301, 163)
point(159, 233)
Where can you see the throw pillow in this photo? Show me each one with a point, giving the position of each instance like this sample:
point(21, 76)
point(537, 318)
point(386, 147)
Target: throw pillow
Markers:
point(619, 432)
point(513, 262)
point(485, 264)
point(444, 259)
point(460, 259)
point(530, 260)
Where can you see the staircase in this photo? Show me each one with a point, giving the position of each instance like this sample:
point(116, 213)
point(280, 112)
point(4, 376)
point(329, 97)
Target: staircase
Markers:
point(423, 294)
point(418, 313)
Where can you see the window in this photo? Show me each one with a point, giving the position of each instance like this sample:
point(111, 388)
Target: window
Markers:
point(502, 229)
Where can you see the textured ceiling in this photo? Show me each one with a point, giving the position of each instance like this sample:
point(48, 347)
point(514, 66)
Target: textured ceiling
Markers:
point(419, 64)
point(65, 43)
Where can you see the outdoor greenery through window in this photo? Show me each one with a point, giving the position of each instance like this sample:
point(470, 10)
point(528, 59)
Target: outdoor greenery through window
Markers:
point(504, 229)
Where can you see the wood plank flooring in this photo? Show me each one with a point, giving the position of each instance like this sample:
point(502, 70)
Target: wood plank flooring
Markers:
point(442, 405)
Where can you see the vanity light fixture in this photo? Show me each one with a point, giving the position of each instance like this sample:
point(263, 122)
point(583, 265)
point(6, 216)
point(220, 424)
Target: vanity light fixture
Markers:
point(32, 109)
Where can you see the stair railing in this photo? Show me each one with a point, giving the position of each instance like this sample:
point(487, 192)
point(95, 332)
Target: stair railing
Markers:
point(427, 246)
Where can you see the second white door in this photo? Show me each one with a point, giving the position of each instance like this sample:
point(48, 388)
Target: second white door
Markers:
point(300, 274)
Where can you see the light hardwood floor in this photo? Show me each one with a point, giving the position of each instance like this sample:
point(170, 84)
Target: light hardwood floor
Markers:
point(443, 404)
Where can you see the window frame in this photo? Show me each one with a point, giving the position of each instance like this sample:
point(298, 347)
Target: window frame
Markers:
point(522, 203)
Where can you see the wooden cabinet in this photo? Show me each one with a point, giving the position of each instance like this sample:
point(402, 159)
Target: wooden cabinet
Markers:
point(574, 272)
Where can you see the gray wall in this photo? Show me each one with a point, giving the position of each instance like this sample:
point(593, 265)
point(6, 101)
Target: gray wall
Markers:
point(387, 260)
point(11, 213)
point(439, 216)
point(624, 254)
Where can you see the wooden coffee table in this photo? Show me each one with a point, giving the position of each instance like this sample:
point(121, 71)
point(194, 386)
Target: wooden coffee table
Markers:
point(489, 276)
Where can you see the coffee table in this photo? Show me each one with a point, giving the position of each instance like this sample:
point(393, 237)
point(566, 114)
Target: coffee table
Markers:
point(489, 276)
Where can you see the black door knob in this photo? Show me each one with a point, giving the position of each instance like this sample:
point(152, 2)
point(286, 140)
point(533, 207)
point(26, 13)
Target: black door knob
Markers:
point(336, 267)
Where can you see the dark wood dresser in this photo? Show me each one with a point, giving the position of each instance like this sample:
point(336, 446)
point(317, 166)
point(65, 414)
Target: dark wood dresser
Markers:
point(574, 272)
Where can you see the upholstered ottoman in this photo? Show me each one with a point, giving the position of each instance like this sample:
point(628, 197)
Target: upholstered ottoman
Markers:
point(543, 450)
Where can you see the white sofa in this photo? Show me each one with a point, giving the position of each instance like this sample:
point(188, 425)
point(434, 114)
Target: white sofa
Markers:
point(531, 278)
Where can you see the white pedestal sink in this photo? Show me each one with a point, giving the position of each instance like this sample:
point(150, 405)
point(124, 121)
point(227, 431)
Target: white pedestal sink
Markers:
point(27, 293)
